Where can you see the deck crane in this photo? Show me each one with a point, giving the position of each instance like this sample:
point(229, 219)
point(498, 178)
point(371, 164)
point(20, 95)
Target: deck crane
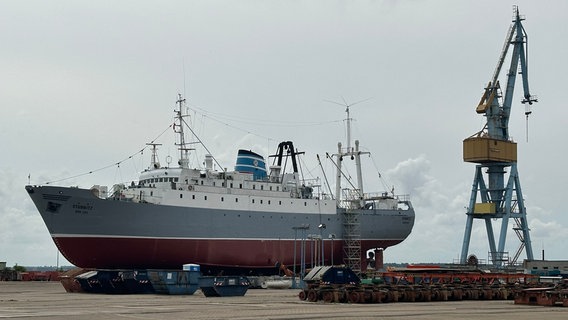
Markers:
point(492, 149)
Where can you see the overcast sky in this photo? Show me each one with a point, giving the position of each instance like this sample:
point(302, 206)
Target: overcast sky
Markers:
point(85, 84)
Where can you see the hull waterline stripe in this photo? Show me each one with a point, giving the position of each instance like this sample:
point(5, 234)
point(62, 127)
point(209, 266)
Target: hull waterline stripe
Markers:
point(62, 235)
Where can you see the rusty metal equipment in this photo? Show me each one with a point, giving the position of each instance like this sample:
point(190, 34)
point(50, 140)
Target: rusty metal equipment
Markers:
point(429, 285)
point(546, 296)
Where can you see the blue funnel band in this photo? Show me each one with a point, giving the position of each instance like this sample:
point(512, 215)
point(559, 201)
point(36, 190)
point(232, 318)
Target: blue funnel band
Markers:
point(251, 162)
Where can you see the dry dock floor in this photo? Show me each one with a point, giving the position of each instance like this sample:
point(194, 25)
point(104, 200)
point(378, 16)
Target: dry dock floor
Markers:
point(48, 300)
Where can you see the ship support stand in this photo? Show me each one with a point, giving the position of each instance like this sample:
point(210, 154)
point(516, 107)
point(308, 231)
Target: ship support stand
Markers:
point(494, 151)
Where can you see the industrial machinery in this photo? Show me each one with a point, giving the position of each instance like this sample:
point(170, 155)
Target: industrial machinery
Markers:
point(494, 151)
point(339, 284)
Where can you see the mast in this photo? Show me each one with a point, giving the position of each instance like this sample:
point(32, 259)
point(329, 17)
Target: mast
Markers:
point(348, 130)
point(179, 125)
point(154, 162)
point(338, 176)
point(354, 154)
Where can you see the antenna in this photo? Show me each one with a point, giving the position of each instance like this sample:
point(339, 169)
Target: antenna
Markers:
point(347, 106)
point(184, 81)
point(184, 150)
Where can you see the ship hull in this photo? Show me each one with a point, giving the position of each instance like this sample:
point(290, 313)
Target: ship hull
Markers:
point(102, 233)
point(244, 256)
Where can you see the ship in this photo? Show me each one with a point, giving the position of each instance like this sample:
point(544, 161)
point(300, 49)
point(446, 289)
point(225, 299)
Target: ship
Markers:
point(250, 220)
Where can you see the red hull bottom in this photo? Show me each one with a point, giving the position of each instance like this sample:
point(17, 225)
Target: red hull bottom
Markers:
point(235, 255)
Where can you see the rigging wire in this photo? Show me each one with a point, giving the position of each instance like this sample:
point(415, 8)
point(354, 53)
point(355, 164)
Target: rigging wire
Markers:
point(309, 171)
point(118, 173)
point(110, 165)
point(381, 178)
point(325, 177)
point(384, 182)
point(217, 118)
point(237, 128)
point(342, 173)
point(264, 122)
point(204, 146)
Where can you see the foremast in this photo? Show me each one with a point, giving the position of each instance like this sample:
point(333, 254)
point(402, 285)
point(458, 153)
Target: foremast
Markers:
point(178, 128)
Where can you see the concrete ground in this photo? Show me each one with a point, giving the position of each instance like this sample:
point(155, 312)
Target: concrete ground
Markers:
point(48, 300)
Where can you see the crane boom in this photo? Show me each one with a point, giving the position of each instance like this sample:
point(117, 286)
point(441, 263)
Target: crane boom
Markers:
point(503, 54)
point(498, 115)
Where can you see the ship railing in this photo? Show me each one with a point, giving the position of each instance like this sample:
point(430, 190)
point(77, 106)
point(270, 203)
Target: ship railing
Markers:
point(350, 195)
point(351, 200)
point(386, 195)
point(322, 196)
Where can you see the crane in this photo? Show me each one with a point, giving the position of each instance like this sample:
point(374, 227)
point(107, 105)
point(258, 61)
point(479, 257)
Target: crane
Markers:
point(493, 149)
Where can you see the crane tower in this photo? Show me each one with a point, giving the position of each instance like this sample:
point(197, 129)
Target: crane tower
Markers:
point(495, 153)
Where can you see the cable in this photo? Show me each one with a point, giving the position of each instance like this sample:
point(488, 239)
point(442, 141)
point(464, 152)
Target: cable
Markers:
point(110, 165)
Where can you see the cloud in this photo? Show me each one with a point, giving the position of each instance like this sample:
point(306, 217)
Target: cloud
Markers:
point(435, 236)
point(550, 230)
point(440, 220)
point(412, 174)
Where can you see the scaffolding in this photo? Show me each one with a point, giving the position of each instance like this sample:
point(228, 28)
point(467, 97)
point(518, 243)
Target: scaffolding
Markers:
point(352, 230)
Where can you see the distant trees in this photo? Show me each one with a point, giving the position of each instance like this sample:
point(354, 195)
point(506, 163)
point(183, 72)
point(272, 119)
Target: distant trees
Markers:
point(18, 268)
